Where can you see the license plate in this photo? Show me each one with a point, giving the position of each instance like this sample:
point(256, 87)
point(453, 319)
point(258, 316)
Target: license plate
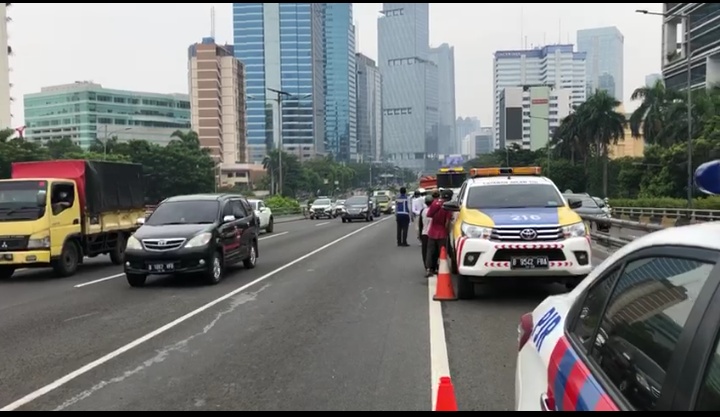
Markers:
point(530, 262)
point(164, 267)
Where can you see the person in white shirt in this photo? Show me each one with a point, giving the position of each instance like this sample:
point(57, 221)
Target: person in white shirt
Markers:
point(423, 226)
point(418, 202)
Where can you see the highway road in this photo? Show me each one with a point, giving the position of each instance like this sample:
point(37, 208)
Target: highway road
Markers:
point(334, 317)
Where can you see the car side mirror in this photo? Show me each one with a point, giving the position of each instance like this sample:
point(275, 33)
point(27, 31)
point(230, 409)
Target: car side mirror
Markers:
point(263, 210)
point(140, 221)
point(574, 203)
point(229, 218)
point(452, 206)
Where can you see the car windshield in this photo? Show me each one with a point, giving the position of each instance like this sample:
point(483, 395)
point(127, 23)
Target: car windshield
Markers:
point(513, 196)
point(356, 201)
point(253, 204)
point(599, 201)
point(382, 199)
point(184, 212)
point(322, 202)
point(19, 200)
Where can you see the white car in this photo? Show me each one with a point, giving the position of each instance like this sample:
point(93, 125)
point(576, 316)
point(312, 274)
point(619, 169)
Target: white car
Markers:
point(639, 334)
point(264, 213)
point(321, 208)
point(516, 226)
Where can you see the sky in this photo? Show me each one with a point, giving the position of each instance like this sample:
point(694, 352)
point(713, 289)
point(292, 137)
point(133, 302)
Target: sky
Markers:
point(143, 47)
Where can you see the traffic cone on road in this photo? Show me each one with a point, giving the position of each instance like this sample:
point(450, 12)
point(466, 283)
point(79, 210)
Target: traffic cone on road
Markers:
point(444, 290)
point(446, 396)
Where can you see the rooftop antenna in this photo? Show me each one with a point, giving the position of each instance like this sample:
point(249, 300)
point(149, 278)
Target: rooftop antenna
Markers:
point(212, 22)
point(522, 26)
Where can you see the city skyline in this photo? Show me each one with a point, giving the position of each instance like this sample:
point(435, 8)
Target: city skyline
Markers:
point(165, 60)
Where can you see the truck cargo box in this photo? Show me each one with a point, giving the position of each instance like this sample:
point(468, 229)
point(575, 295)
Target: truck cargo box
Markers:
point(102, 186)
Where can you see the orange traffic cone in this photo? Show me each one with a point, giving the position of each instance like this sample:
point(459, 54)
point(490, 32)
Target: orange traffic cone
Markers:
point(444, 290)
point(446, 396)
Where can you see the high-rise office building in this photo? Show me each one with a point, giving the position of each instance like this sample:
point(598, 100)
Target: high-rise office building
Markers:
point(704, 39)
point(444, 57)
point(604, 51)
point(369, 109)
point(340, 88)
point(281, 45)
point(5, 51)
point(86, 113)
point(465, 126)
point(217, 100)
point(557, 66)
point(410, 102)
point(530, 114)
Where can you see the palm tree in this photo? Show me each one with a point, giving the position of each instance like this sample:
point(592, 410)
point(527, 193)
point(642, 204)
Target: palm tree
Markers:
point(189, 138)
point(568, 140)
point(603, 125)
point(652, 118)
point(6, 135)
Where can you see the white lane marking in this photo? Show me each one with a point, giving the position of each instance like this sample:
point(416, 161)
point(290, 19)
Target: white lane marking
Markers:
point(85, 284)
point(273, 236)
point(97, 281)
point(81, 316)
point(321, 224)
point(439, 362)
point(112, 355)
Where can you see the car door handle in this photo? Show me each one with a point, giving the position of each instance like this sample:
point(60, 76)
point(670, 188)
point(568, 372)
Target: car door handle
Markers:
point(544, 402)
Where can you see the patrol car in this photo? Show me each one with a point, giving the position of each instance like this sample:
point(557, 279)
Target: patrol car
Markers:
point(639, 334)
point(512, 222)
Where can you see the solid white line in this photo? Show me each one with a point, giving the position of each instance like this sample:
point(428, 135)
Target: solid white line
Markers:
point(112, 355)
point(85, 284)
point(321, 224)
point(439, 362)
point(272, 236)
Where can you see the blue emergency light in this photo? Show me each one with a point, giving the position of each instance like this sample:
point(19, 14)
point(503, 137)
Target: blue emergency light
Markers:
point(707, 177)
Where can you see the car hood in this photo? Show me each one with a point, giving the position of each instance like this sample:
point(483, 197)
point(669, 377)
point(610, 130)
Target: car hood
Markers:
point(358, 206)
point(590, 211)
point(320, 207)
point(166, 232)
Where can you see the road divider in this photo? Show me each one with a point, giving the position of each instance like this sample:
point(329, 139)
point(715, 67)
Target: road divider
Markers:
point(60, 382)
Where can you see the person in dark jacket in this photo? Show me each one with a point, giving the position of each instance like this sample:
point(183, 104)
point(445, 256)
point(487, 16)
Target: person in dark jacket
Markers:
point(438, 232)
point(402, 217)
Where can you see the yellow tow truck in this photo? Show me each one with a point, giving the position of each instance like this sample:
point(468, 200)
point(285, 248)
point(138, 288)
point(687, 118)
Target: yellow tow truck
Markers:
point(56, 213)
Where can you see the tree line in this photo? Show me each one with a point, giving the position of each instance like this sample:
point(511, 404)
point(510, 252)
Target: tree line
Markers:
point(578, 156)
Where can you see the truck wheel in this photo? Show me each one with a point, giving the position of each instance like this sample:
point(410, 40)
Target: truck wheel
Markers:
point(68, 262)
point(117, 255)
point(215, 273)
point(6, 272)
point(251, 260)
point(466, 289)
point(271, 226)
point(136, 280)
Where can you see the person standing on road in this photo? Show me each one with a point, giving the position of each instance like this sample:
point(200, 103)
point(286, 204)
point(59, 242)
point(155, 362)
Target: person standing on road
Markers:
point(423, 227)
point(402, 217)
point(437, 233)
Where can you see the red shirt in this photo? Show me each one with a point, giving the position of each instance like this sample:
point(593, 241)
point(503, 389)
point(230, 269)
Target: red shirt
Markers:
point(440, 219)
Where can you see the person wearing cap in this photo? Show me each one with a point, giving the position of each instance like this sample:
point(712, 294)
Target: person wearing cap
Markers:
point(418, 202)
point(423, 227)
point(402, 217)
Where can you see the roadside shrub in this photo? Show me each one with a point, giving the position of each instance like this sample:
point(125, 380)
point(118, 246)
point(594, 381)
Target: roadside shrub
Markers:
point(282, 205)
point(704, 203)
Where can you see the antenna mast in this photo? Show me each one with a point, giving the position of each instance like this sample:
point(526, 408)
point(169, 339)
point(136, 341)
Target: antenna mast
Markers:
point(212, 22)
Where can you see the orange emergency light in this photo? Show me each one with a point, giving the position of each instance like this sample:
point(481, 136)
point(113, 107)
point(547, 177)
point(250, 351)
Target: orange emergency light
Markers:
point(496, 172)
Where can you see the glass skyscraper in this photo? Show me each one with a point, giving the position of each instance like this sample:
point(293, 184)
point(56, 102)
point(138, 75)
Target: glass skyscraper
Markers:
point(281, 45)
point(340, 88)
point(604, 59)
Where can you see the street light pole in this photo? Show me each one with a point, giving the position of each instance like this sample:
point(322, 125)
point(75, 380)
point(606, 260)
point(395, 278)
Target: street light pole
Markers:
point(686, 17)
point(107, 138)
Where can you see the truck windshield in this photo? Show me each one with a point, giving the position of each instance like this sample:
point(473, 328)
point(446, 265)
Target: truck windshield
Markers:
point(19, 200)
point(184, 212)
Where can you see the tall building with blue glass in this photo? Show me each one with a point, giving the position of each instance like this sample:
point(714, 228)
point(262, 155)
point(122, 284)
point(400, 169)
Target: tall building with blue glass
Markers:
point(340, 84)
point(281, 45)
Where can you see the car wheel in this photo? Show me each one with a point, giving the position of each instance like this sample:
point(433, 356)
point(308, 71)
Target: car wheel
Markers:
point(6, 272)
point(117, 255)
point(214, 273)
point(69, 259)
point(271, 226)
point(136, 280)
point(251, 260)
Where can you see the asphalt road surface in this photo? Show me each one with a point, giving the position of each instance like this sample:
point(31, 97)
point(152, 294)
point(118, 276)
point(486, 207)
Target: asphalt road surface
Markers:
point(334, 317)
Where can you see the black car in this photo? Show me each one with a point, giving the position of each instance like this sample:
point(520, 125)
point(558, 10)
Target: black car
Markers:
point(201, 234)
point(358, 208)
point(590, 207)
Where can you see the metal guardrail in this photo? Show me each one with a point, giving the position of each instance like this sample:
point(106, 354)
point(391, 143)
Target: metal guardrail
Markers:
point(666, 216)
point(620, 231)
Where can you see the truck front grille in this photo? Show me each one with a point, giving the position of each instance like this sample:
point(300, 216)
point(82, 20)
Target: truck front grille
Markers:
point(13, 243)
point(512, 234)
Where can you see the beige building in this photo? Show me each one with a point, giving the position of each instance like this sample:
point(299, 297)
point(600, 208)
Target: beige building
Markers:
point(628, 145)
point(217, 101)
